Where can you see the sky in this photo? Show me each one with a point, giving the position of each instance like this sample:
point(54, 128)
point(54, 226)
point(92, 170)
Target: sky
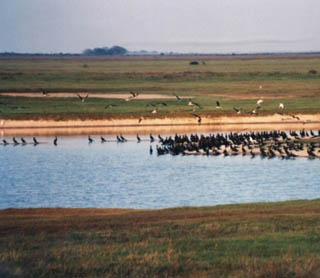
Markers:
point(203, 26)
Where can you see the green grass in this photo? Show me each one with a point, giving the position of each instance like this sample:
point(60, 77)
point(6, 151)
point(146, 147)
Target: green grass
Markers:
point(250, 240)
point(235, 81)
point(62, 108)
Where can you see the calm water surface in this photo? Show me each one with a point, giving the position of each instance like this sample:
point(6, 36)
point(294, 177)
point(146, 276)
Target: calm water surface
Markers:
point(125, 175)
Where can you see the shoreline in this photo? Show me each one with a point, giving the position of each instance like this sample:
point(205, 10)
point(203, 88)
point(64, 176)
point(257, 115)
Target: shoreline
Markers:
point(131, 125)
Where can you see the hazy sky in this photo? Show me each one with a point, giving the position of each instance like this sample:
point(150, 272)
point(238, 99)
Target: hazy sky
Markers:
point(215, 26)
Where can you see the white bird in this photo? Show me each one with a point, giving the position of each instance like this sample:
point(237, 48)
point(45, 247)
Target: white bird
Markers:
point(259, 101)
point(154, 111)
point(260, 87)
point(281, 106)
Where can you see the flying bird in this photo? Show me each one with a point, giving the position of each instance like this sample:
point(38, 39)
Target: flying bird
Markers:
point(238, 111)
point(198, 117)
point(83, 98)
point(259, 102)
point(134, 94)
point(255, 110)
point(177, 97)
point(191, 103)
point(44, 92)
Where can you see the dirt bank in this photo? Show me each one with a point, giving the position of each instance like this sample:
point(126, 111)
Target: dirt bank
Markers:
point(159, 125)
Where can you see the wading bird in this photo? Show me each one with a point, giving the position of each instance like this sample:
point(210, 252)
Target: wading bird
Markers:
point(90, 140)
point(35, 142)
point(55, 141)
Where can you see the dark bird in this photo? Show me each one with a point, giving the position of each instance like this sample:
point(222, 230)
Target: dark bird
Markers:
point(151, 138)
point(23, 141)
point(15, 141)
point(238, 111)
point(103, 139)
point(83, 98)
point(198, 117)
point(134, 94)
point(5, 142)
point(295, 117)
point(191, 103)
point(90, 140)
point(140, 120)
point(177, 97)
point(44, 92)
point(35, 142)
point(218, 104)
point(151, 150)
point(55, 141)
point(138, 138)
point(123, 139)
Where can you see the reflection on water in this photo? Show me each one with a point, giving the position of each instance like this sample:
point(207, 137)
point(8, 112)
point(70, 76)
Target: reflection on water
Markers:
point(125, 175)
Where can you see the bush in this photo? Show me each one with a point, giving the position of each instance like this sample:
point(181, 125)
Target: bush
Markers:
point(194, 63)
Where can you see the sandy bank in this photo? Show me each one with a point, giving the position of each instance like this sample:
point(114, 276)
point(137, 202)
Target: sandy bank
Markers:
point(159, 125)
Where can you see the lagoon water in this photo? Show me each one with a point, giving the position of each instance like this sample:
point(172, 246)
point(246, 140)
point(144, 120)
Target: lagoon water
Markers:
point(125, 175)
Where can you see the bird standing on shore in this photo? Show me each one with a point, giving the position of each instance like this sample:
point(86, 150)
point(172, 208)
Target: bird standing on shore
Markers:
point(55, 141)
point(218, 104)
point(177, 97)
point(281, 106)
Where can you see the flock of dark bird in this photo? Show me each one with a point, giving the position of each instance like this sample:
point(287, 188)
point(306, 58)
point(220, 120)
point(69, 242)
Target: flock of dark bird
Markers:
point(266, 144)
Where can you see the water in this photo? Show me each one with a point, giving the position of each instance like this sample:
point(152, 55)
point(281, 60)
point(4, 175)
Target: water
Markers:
point(125, 175)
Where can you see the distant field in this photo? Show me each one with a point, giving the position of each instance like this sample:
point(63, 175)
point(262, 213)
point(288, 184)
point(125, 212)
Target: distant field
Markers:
point(236, 81)
point(248, 240)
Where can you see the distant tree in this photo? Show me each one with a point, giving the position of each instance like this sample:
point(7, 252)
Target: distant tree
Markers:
point(192, 63)
point(312, 71)
point(117, 50)
point(105, 51)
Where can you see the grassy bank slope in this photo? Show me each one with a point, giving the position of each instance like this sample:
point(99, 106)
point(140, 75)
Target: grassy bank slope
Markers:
point(253, 240)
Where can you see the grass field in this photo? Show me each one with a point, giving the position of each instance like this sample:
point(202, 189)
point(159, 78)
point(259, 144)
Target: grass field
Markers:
point(249, 240)
point(235, 82)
